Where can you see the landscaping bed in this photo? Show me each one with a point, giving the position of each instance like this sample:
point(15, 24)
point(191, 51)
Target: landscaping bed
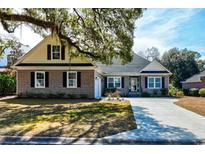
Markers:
point(194, 104)
point(64, 118)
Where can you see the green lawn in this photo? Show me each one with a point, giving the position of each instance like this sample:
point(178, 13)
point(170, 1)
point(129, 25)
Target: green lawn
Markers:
point(56, 117)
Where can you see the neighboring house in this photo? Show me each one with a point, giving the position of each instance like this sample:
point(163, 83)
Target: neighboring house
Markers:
point(196, 81)
point(46, 69)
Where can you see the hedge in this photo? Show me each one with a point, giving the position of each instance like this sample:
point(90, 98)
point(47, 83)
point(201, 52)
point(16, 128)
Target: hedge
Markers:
point(194, 92)
point(7, 84)
point(202, 92)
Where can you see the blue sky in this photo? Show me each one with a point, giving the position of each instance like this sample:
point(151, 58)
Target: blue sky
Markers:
point(161, 28)
point(168, 28)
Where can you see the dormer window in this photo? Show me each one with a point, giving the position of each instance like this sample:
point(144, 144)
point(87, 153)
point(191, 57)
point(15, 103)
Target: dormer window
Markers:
point(56, 54)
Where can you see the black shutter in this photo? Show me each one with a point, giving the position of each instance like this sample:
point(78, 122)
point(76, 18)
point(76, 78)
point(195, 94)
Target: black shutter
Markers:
point(32, 79)
point(105, 82)
point(145, 82)
point(63, 52)
point(47, 79)
point(162, 82)
point(64, 79)
point(49, 52)
point(79, 79)
point(122, 82)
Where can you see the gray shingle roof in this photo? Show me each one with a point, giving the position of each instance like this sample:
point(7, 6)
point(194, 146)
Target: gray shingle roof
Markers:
point(136, 65)
point(195, 78)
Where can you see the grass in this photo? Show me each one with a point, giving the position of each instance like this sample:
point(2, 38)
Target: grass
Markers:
point(194, 104)
point(57, 118)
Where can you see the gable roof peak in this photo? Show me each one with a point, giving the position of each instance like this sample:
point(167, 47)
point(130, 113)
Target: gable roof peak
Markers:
point(155, 65)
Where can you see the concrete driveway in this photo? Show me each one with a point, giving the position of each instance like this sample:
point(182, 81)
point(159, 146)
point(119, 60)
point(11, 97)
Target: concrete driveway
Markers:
point(160, 121)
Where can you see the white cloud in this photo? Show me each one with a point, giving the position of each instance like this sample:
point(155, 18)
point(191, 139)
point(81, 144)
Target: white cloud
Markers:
point(141, 44)
point(158, 27)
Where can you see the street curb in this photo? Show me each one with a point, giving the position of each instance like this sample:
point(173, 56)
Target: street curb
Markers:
point(18, 140)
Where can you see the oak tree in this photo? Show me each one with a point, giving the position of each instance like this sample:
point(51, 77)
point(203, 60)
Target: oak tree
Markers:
point(99, 34)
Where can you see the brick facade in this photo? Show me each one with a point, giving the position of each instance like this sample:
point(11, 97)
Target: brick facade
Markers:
point(193, 85)
point(56, 83)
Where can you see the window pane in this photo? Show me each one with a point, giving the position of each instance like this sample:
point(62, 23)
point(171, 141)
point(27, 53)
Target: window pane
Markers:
point(151, 85)
point(157, 84)
point(40, 83)
point(117, 82)
point(56, 55)
point(71, 83)
point(56, 52)
point(117, 79)
point(117, 85)
point(40, 75)
point(110, 79)
point(151, 79)
point(110, 85)
point(56, 48)
point(72, 75)
point(157, 79)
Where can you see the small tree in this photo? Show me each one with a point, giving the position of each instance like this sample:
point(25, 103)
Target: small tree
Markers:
point(7, 84)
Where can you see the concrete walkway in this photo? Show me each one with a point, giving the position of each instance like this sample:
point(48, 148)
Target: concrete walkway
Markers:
point(160, 121)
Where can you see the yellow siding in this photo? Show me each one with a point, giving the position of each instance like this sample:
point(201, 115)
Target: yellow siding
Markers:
point(39, 53)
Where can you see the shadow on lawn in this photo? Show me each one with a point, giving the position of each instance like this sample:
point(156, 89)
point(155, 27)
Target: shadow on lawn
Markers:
point(96, 120)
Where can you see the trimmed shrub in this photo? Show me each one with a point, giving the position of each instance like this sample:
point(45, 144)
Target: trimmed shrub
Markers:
point(179, 93)
point(21, 95)
point(84, 96)
point(202, 92)
point(194, 92)
point(51, 95)
point(29, 94)
point(155, 93)
point(60, 95)
point(145, 94)
point(7, 84)
point(164, 91)
point(33, 95)
point(109, 91)
point(172, 90)
point(71, 96)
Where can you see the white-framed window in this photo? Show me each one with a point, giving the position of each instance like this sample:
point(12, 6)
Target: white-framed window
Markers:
point(114, 82)
point(72, 79)
point(39, 79)
point(154, 82)
point(56, 52)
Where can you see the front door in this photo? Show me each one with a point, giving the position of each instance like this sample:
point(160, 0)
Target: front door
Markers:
point(135, 84)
